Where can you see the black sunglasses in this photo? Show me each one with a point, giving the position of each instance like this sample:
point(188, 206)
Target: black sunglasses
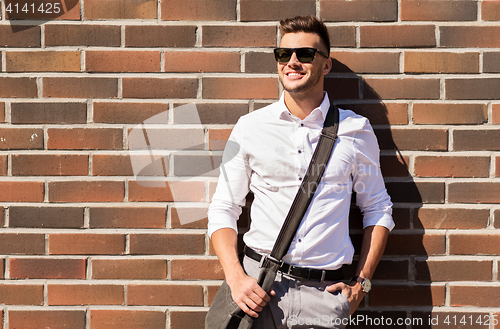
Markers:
point(304, 54)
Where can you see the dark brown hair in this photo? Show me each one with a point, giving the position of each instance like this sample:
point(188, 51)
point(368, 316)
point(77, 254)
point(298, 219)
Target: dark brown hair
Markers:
point(307, 24)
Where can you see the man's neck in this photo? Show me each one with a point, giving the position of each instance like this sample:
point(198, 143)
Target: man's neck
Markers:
point(301, 107)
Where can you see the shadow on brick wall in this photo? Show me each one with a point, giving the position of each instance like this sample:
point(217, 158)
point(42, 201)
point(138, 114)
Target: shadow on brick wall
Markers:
point(398, 287)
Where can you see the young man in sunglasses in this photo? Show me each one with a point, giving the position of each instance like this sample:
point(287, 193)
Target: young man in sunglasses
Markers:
point(269, 152)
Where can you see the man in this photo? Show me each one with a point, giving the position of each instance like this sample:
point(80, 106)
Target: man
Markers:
point(269, 152)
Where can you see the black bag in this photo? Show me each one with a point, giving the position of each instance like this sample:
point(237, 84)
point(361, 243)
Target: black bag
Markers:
point(224, 313)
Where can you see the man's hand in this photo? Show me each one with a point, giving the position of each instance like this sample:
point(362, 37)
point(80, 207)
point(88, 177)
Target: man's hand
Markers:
point(353, 293)
point(249, 296)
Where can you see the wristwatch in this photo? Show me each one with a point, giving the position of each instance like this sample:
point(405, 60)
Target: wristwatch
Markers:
point(365, 283)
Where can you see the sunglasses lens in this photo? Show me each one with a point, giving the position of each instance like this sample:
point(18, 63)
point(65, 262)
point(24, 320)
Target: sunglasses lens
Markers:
point(305, 55)
point(283, 55)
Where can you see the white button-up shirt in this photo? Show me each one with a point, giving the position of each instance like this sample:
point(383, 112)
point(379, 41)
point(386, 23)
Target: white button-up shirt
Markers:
point(268, 153)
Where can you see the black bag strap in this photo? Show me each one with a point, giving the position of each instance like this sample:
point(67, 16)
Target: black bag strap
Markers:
point(309, 184)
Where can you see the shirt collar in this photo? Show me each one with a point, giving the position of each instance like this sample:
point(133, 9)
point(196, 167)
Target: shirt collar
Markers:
point(283, 112)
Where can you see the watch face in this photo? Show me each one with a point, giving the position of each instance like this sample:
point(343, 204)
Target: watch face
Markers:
point(367, 285)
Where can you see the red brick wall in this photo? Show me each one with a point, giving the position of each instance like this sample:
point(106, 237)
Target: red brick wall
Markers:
point(84, 243)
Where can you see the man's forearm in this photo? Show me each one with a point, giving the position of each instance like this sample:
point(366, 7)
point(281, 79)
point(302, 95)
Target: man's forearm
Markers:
point(225, 243)
point(372, 249)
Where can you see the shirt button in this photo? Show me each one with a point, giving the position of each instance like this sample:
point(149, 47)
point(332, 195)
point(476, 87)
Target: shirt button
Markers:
point(300, 151)
point(300, 240)
point(302, 125)
point(300, 178)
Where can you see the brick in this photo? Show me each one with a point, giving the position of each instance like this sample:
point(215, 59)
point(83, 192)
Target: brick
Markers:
point(407, 296)
point(211, 292)
point(165, 295)
point(240, 88)
point(172, 191)
point(451, 166)
point(46, 217)
point(441, 62)
point(485, 192)
point(48, 113)
point(495, 114)
point(46, 319)
point(359, 10)
point(202, 61)
point(21, 294)
point(210, 113)
point(46, 268)
point(476, 140)
point(196, 269)
point(209, 10)
point(491, 61)
point(85, 138)
point(182, 319)
point(474, 244)
point(116, 9)
point(85, 294)
point(160, 36)
point(22, 243)
point(82, 35)
point(50, 165)
point(18, 87)
point(420, 192)
point(390, 270)
point(21, 138)
point(262, 10)
point(452, 114)
point(217, 138)
point(400, 36)
point(401, 88)
point(43, 61)
point(490, 10)
point(470, 36)
point(342, 88)
point(2, 112)
point(167, 244)
point(197, 165)
point(189, 217)
point(415, 244)
point(127, 217)
point(20, 191)
point(380, 113)
point(3, 165)
point(342, 36)
point(412, 139)
point(122, 61)
point(394, 166)
point(166, 139)
point(86, 191)
point(497, 166)
point(114, 165)
point(451, 218)
point(432, 10)
point(472, 88)
point(453, 270)
point(159, 88)
point(239, 36)
point(125, 112)
point(260, 62)
point(481, 296)
point(20, 37)
point(64, 87)
point(131, 269)
point(127, 319)
point(2, 269)
point(86, 244)
point(364, 62)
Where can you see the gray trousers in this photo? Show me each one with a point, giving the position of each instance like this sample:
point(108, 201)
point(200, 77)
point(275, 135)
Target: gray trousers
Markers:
point(300, 303)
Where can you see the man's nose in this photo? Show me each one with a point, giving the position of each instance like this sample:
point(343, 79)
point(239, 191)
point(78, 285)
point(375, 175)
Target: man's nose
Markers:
point(293, 59)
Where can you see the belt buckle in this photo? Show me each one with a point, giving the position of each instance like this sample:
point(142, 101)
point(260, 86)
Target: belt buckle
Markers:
point(323, 274)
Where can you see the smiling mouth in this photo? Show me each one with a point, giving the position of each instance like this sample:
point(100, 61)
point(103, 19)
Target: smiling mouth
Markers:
point(296, 74)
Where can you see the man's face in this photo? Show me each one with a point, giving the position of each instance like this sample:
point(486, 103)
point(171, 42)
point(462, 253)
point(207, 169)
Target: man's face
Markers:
point(297, 77)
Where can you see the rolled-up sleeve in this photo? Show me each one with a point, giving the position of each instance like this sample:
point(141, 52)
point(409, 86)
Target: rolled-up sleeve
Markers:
point(232, 187)
point(371, 195)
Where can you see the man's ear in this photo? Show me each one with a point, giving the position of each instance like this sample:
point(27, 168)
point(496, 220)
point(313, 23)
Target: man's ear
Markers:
point(328, 66)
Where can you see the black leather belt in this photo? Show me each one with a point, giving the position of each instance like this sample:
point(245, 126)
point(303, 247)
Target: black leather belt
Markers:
point(300, 272)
